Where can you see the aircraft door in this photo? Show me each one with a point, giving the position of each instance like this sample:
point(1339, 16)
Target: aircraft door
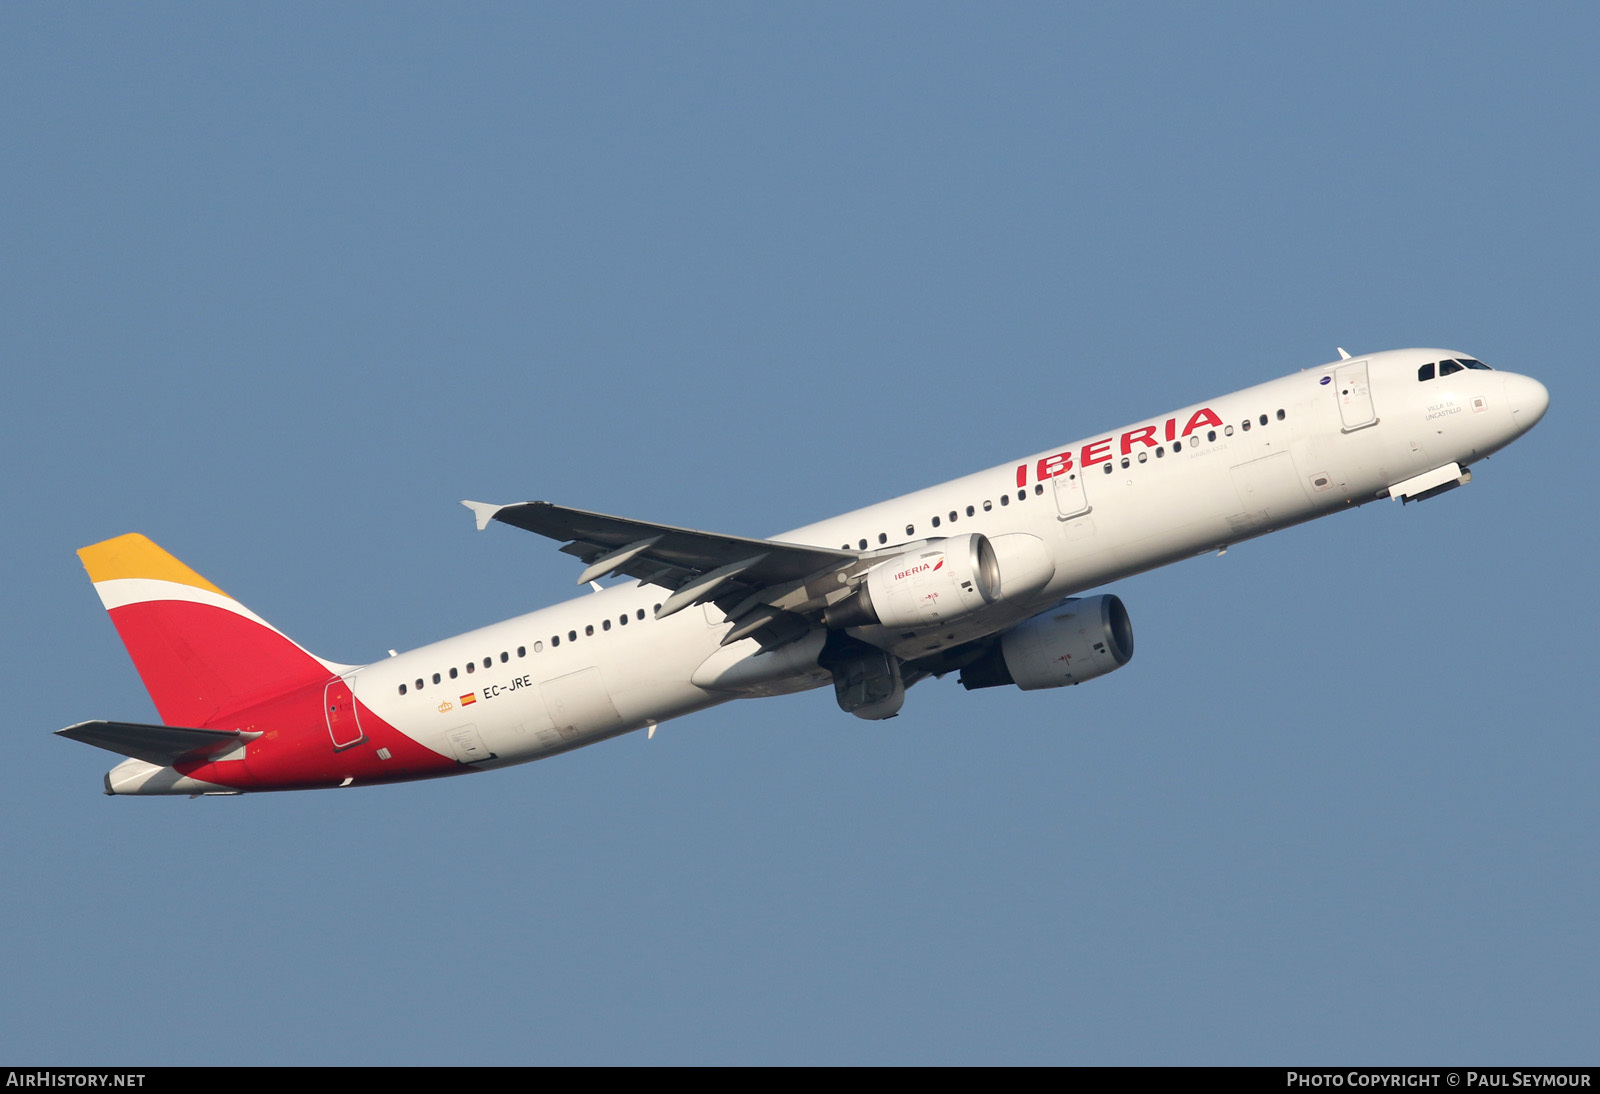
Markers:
point(1355, 397)
point(339, 706)
point(1071, 499)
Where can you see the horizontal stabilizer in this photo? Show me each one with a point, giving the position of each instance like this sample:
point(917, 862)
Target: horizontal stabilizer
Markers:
point(164, 745)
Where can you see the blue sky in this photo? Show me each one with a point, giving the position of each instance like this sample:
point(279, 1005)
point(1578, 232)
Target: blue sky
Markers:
point(282, 284)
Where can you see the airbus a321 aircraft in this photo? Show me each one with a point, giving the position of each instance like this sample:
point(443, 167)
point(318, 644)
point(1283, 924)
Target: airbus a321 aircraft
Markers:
point(976, 576)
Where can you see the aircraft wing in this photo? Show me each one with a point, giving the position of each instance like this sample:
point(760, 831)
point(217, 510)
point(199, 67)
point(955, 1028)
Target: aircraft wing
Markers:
point(164, 745)
point(756, 582)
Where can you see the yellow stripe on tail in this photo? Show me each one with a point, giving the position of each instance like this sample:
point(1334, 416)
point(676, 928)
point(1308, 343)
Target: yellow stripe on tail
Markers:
point(134, 555)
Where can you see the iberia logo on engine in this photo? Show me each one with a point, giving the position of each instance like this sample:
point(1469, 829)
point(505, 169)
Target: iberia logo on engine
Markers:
point(919, 568)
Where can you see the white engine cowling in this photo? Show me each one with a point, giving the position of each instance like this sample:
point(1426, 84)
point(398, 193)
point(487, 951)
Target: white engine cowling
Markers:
point(1075, 641)
point(923, 587)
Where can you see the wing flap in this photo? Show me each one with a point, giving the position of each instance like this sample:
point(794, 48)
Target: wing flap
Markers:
point(696, 567)
point(644, 550)
point(593, 535)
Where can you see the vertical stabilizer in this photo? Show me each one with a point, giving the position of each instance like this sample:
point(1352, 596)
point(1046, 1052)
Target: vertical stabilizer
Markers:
point(201, 654)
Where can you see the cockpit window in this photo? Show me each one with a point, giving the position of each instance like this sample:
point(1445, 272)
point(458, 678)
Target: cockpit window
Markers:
point(1447, 368)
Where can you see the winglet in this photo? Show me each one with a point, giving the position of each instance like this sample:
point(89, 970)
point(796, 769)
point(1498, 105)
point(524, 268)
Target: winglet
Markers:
point(484, 511)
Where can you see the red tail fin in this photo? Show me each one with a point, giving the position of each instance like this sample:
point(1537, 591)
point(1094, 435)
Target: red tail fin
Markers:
point(201, 654)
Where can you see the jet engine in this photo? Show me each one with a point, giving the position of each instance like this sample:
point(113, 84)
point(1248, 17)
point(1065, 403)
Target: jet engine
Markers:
point(928, 585)
point(1075, 641)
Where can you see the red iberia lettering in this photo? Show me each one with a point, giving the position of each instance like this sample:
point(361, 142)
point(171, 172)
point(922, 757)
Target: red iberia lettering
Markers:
point(1145, 435)
point(1201, 418)
point(1100, 451)
point(1096, 452)
point(1051, 466)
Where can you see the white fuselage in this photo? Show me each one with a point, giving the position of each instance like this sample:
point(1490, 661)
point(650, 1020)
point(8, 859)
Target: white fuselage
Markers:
point(1062, 521)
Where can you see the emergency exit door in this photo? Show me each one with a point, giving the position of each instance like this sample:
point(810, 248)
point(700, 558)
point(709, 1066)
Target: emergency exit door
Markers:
point(339, 705)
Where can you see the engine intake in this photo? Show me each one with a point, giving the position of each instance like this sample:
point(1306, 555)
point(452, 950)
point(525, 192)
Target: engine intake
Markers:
point(1075, 641)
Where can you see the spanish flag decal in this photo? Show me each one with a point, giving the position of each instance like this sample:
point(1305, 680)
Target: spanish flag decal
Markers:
point(469, 698)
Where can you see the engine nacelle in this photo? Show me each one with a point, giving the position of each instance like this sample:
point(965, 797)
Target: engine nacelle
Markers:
point(929, 585)
point(1075, 641)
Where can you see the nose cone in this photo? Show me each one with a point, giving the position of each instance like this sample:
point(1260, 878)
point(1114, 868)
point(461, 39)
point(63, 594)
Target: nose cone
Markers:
point(1528, 398)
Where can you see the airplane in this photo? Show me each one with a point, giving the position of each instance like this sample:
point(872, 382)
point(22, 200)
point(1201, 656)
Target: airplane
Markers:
point(985, 576)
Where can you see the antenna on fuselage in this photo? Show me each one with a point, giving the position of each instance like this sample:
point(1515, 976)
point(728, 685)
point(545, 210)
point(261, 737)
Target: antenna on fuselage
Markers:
point(1343, 356)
